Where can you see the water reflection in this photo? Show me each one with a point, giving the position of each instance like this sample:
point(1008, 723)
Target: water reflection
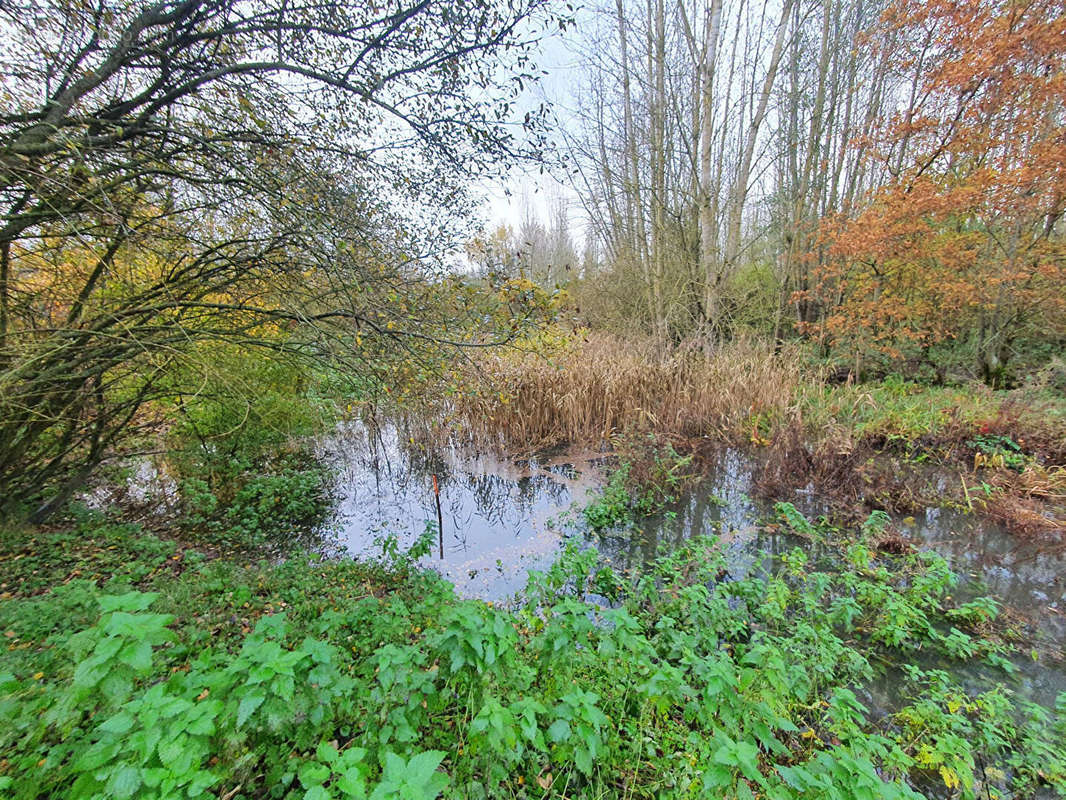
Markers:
point(502, 518)
point(496, 513)
point(1028, 577)
point(498, 508)
point(720, 505)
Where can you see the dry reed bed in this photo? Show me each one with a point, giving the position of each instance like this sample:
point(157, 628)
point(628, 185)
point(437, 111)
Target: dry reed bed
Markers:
point(845, 441)
point(1024, 516)
point(1032, 503)
point(604, 386)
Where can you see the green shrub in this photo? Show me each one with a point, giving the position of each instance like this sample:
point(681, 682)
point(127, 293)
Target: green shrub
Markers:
point(311, 679)
point(996, 450)
point(648, 480)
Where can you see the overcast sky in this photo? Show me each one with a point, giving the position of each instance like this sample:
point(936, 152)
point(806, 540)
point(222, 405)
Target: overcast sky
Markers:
point(505, 201)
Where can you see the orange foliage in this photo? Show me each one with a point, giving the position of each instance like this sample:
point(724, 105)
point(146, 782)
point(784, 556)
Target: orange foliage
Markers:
point(966, 238)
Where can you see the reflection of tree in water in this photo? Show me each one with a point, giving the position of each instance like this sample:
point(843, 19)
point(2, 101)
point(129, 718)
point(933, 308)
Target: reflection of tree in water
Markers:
point(390, 471)
point(460, 520)
point(493, 497)
point(499, 499)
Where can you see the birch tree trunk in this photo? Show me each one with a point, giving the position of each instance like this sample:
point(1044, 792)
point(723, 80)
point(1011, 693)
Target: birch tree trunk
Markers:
point(710, 257)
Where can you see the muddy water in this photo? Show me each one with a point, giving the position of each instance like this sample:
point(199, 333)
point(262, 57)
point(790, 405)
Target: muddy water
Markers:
point(503, 518)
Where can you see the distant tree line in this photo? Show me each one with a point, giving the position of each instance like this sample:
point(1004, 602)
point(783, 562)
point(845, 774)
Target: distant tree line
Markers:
point(756, 167)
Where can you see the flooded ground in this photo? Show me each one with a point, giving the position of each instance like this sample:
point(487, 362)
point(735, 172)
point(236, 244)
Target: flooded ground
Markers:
point(500, 518)
point(503, 518)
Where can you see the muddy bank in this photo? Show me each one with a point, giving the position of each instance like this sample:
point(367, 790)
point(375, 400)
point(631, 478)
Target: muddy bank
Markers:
point(1028, 500)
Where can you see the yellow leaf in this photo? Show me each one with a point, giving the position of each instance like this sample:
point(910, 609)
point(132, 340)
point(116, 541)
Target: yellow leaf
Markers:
point(951, 780)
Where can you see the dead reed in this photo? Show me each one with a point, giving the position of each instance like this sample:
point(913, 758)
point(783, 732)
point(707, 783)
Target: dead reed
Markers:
point(1032, 503)
point(1026, 516)
point(603, 386)
point(1046, 483)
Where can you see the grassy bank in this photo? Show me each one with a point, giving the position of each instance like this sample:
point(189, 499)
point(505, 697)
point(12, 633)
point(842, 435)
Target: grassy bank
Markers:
point(136, 667)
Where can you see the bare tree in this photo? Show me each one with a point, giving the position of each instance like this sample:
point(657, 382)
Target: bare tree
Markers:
point(719, 133)
point(180, 172)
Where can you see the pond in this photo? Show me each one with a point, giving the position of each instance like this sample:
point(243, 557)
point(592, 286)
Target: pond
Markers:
point(502, 518)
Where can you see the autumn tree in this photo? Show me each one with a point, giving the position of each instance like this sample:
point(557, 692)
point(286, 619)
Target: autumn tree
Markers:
point(269, 175)
point(964, 246)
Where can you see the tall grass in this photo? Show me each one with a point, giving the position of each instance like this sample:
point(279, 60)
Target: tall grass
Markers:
point(601, 388)
point(594, 389)
point(893, 410)
point(572, 389)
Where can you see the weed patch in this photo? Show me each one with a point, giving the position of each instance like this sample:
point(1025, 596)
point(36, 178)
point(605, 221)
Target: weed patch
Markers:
point(648, 480)
point(311, 679)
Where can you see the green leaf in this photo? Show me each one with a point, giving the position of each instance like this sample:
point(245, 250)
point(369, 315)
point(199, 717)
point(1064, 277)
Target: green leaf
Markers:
point(421, 768)
point(748, 761)
point(352, 783)
point(116, 687)
point(326, 753)
point(131, 601)
point(138, 655)
point(124, 783)
point(171, 751)
point(312, 773)
point(416, 779)
point(583, 759)
point(118, 724)
point(559, 731)
point(249, 703)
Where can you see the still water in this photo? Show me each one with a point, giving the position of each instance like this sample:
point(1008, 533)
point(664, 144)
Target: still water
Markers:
point(500, 518)
point(504, 517)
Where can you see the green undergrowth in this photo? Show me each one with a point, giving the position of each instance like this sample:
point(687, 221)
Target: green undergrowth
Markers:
point(648, 479)
point(312, 679)
point(274, 509)
point(907, 415)
point(241, 452)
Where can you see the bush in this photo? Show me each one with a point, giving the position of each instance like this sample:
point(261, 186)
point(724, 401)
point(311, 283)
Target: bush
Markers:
point(282, 508)
point(647, 481)
point(307, 679)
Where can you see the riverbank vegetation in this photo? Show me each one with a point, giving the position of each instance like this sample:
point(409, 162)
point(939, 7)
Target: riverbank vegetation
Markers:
point(137, 667)
point(828, 233)
point(591, 386)
point(862, 444)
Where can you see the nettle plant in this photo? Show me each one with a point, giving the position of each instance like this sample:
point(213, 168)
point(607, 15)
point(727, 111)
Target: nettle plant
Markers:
point(690, 684)
point(647, 485)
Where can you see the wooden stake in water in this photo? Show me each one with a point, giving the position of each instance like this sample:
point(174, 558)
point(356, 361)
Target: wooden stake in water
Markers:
point(440, 518)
